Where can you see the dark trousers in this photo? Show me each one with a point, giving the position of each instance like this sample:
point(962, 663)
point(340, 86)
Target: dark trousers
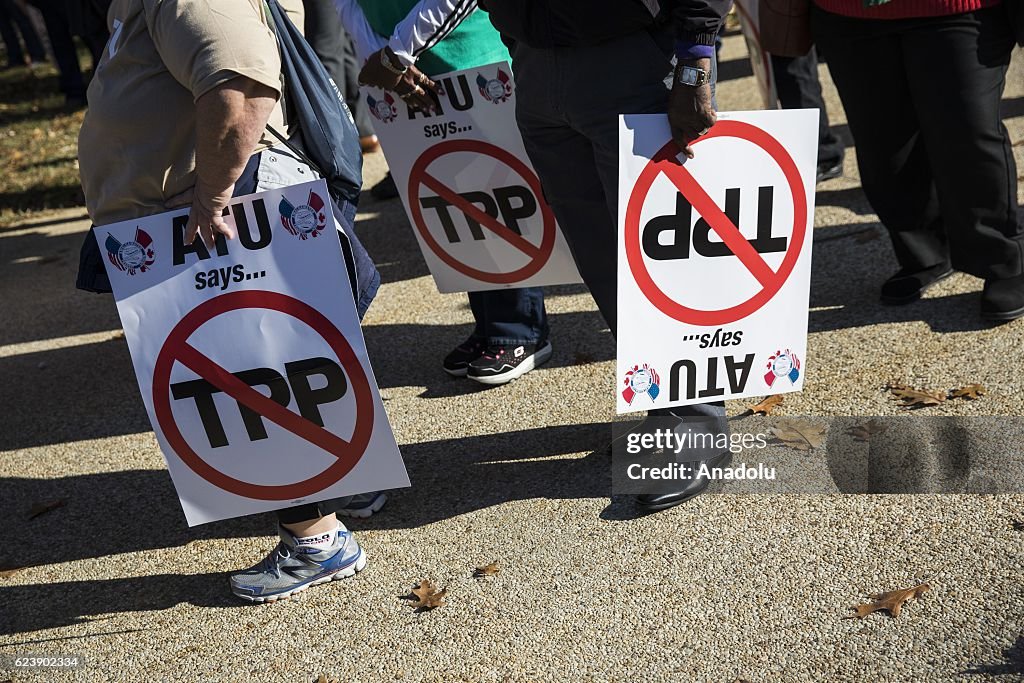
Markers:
point(798, 87)
point(568, 101)
point(922, 99)
point(11, 16)
point(327, 37)
point(59, 28)
point(510, 316)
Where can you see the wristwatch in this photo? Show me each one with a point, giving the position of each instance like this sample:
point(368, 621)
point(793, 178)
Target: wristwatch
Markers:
point(385, 61)
point(693, 76)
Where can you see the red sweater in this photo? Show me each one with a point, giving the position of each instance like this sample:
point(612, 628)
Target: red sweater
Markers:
point(903, 9)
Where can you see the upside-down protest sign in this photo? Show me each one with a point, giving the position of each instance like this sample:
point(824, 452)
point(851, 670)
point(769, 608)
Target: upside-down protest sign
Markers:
point(472, 196)
point(250, 358)
point(714, 259)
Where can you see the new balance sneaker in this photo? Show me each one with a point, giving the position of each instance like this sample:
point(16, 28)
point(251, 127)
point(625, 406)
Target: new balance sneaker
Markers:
point(457, 362)
point(500, 364)
point(296, 564)
point(362, 505)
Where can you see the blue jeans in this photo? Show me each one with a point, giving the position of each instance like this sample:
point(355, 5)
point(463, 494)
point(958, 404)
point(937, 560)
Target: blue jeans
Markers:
point(510, 316)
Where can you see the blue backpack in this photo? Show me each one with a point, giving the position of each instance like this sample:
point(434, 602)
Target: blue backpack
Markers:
point(327, 137)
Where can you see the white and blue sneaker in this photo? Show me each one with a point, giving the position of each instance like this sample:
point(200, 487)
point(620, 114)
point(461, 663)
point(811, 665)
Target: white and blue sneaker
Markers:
point(298, 563)
point(362, 505)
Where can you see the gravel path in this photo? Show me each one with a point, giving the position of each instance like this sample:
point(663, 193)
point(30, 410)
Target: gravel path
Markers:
point(728, 587)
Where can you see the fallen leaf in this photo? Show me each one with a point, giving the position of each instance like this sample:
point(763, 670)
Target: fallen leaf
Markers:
point(802, 436)
point(864, 432)
point(488, 570)
point(866, 236)
point(38, 509)
point(325, 679)
point(970, 392)
point(766, 406)
point(427, 595)
point(912, 397)
point(8, 572)
point(891, 601)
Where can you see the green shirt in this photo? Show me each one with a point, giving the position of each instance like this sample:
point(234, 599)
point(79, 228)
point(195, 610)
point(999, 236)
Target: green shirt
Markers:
point(473, 43)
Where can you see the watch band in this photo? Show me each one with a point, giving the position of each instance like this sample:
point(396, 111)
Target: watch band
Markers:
point(386, 62)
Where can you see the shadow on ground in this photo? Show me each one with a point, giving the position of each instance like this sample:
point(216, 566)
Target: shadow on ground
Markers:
point(93, 522)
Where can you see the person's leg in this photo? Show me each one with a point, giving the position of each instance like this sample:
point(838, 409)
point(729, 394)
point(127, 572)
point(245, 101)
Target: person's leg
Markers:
point(895, 170)
point(64, 52)
point(514, 327)
point(798, 87)
point(956, 68)
point(568, 123)
point(15, 56)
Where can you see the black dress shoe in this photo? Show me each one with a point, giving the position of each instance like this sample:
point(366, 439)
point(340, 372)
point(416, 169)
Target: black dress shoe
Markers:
point(906, 287)
point(1003, 300)
point(829, 170)
point(653, 502)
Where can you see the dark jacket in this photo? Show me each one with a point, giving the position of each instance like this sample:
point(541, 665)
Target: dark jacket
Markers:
point(575, 23)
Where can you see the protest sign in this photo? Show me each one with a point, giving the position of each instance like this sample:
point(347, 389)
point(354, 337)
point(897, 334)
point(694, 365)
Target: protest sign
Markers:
point(472, 196)
point(250, 358)
point(714, 259)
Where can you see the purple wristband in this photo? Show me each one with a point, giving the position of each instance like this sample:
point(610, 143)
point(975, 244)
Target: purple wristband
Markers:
point(688, 50)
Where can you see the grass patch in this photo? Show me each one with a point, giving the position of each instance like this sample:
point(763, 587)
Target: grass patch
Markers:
point(38, 146)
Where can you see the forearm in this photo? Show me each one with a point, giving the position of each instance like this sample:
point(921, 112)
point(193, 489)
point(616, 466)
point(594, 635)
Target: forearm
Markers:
point(230, 119)
point(427, 24)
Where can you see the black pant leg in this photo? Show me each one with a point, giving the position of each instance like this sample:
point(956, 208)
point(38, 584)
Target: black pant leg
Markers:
point(798, 87)
point(956, 67)
point(15, 55)
point(895, 170)
point(327, 37)
point(58, 28)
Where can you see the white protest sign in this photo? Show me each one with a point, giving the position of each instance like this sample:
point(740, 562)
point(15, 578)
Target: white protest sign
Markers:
point(250, 358)
point(472, 196)
point(714, 258)
point(760, 60)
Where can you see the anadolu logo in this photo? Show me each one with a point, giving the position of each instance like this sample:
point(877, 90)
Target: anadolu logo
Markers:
point(134, 256)
point(497, 89)
point(782, 364)
point(384, 110)
point(305, 220)
point(641, 380)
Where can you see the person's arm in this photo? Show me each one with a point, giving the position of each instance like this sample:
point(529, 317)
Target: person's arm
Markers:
point(366, 40)
point(429, 22)
point(690, 111)
point(393, 66)
point(230, 119)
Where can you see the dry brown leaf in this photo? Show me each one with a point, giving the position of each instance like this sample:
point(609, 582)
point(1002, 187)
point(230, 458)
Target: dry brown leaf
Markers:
point(891, 601)
point(912, 397)
point(44, 507)
point(427, 595)
point(487, 570)
point(802, 436)
point(970, 392)
point(8, 572)
point(325, 679)
point(864, 432)
point(766, 406)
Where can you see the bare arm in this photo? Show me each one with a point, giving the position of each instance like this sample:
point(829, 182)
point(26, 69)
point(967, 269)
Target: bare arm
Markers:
point(230, 119)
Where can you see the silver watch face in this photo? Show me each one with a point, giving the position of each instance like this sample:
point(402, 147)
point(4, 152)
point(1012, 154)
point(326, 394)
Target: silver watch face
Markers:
point(690, 75)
